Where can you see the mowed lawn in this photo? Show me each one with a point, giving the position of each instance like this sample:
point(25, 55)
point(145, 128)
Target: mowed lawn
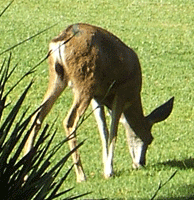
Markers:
point(162, 34)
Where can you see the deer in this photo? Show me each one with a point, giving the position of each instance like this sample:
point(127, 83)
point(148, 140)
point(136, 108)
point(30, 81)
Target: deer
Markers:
point(103, 71)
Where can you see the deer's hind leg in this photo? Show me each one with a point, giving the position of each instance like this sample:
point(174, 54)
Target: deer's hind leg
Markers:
point(80, 104)
point(57, 83)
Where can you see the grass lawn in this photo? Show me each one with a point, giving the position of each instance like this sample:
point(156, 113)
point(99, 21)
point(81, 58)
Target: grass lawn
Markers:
point(162, 34)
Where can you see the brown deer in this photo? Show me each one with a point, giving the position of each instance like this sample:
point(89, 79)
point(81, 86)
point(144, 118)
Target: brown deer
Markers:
point(101, 69)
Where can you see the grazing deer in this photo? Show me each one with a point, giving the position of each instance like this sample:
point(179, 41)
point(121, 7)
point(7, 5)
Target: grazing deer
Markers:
point(102, 70)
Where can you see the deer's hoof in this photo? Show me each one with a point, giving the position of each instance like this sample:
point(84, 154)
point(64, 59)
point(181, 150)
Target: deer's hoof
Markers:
point(108, 175)
point(81, 179)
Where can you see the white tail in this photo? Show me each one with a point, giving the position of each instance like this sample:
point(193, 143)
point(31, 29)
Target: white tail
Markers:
point(101, 68)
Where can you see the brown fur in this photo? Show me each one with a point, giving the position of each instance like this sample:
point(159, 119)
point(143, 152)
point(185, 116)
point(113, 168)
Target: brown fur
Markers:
point(99, 66)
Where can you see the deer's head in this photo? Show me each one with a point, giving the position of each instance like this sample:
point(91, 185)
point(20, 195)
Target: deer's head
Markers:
point(139, 134)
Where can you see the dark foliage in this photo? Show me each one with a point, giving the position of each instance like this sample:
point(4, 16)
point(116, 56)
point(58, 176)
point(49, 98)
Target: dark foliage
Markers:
point(41, 180)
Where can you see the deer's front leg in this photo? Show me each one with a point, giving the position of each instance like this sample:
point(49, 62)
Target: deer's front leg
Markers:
point(117, 110)
point(102, 127)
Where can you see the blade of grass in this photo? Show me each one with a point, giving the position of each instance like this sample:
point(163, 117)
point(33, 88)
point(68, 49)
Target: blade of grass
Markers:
point(6, 8)
point(13, 113)
point(78, 196)
point(5, 70)
point(53, 194)
point(61, 193)
point(160, 186)
point(21, 146)
point(27, 39)
point(7, 125)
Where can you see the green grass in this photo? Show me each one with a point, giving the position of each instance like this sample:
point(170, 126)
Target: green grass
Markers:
point(162, 34)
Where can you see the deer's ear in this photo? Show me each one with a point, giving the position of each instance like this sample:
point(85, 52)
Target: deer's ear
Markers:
point(160, 113)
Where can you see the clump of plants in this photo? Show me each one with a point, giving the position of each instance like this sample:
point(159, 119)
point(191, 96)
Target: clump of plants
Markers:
point(30, 176)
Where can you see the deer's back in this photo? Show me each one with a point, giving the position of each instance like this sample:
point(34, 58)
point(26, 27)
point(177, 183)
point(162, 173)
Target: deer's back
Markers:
point(97, 58)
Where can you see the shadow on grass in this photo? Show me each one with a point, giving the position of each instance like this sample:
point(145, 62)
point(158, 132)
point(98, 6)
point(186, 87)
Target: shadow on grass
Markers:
point(167, 198)
point(176, 198)
point(186, 193)
point(181, 164)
